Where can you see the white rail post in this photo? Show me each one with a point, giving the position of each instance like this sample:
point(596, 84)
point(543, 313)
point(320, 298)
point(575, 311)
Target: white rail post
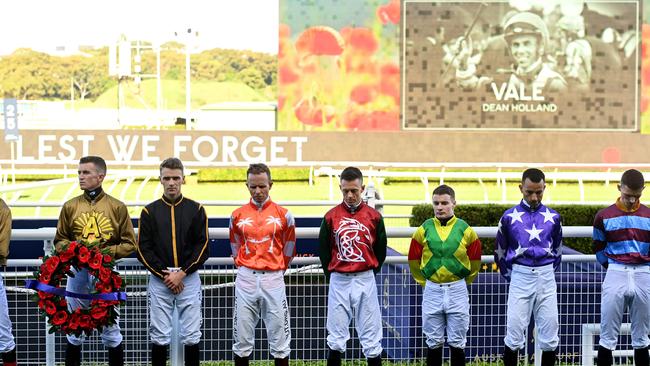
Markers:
point(369, 194)
point(50, 347)
point(588, 344)
point(538, 350)
point(177, 353)
point(331, 186)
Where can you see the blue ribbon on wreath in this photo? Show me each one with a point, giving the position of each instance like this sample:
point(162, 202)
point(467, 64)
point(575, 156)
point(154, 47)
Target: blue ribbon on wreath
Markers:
point(59, 291)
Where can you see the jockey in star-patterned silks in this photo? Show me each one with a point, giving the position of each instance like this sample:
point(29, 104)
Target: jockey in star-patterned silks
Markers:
point(528, 250)
point(528, 237)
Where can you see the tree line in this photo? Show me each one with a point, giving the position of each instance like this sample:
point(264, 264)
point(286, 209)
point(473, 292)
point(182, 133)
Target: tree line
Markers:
point(31, 75)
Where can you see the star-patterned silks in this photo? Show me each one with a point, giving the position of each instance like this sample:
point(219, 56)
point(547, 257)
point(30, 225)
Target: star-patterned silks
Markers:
point(520, 251)
point(548, 216)
point(500, 252)
point(549, 250)
point(516, 216)
point(528, 236)
point(534, 233)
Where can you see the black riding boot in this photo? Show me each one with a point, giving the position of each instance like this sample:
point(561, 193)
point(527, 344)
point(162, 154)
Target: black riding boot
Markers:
point(72, 355)
point(641, 356)
point(604, 356)
point(548, 358)
point(457, 356)
point(192, 355)
point(334, 358)
point(510, 356)
point(9, 358)
point(158, 355)
point(281, 361)
point(116, 356)
point(375, 361)
point(241, 361)
point(434, 356)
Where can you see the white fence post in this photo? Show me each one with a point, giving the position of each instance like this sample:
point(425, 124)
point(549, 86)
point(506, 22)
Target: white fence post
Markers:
point(177, 353)
point(369, 194)
point(538, 350)
point(50, 347)
point(587, 338)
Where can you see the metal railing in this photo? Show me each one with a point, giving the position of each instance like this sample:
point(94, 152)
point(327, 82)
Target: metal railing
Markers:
point(501, 173)
point(579, 280)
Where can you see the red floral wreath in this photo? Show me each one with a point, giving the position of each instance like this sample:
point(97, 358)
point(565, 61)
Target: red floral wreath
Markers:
point(50, 297)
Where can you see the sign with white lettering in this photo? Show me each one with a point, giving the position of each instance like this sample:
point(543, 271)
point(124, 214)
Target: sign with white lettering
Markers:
point(513, 65)
point(10, 112)
point(148, 147)
point(234, 148)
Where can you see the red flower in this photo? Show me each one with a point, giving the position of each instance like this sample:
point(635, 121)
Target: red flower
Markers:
point(50, 307)
point(98, 312)
point(72, 247)
point(73, 324)
point(63, 303)
point(96, 261)
point(362, 94)
point(52, 263)
point(60, 317)
point(84, 321)
point(285, 48)
point(117, 281)
point(84, 255)
point(104, 274)
point(69, 252)
point(66, 256)
point(287, 75)
point(108, 302)
point(104, 287)
point(44, 295)
point(361, 40)
point(107, 258)
point(310, 113)
point(46, 277)
point(389, 12)
point(284, 31)
point(374, 121)
point(390, 81)
point(390, 69)
point(320, 40)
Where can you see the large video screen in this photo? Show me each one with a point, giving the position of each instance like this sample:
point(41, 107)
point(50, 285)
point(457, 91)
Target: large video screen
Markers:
point(493, 65)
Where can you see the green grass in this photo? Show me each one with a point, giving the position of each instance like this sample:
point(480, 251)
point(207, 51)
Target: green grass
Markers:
point(173, 94)
point(301, 191)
